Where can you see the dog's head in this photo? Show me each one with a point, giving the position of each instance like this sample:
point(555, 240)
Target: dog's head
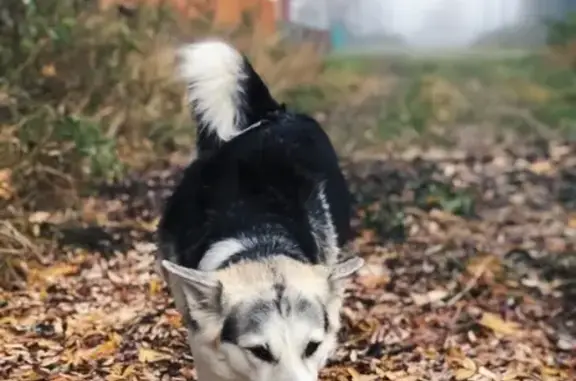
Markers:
point(261, 321)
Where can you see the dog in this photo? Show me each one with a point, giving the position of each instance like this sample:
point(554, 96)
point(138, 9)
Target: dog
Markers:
point(250, 240)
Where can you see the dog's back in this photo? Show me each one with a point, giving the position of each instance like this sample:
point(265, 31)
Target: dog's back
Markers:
point(250, 239)
point(266, 181)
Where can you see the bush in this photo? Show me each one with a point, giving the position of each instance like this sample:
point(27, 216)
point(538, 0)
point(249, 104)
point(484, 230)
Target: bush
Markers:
point(76, 80)
point(86, 93)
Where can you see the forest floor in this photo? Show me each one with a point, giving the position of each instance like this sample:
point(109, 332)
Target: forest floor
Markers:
point(470, 275)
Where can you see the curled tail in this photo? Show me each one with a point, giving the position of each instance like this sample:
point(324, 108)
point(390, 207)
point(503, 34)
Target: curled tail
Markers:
point(225, 93)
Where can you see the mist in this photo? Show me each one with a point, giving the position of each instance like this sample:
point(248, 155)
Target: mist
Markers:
point(430, 23)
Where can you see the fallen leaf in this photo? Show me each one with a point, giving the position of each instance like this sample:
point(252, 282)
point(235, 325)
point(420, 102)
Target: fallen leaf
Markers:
point(429, 298)
point(484, 263)
point(6, 187)
point(38, 217)
point(399, 376)
point(510, 376)
point(106, 349)
point(542, 167)
point(496, 324)
point(464, 374)
point(151, 226)
point(174, 319)
point(147, 355)
point(488, 374)
point(52, 273)
point(49, 70)
point(360, 377)
point(155, 286)
point(373, 281)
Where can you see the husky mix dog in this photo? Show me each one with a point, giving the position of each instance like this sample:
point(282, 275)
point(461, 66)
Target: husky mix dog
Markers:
point(250, 240)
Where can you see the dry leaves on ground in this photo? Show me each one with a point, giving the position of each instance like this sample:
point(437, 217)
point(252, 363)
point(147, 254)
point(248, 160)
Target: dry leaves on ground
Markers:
point(469, 276)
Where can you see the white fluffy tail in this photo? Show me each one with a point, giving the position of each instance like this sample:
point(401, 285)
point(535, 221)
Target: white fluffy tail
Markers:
point(224, 92)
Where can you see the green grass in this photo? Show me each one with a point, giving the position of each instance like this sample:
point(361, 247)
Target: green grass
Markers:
point(519, 90)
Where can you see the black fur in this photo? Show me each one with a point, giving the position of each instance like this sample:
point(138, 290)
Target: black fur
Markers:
point(257, 186)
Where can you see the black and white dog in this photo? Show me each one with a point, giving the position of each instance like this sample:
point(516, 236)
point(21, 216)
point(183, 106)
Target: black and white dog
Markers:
point(250, 239)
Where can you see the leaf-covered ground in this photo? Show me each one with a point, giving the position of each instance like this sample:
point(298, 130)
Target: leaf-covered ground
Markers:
point(471, 275)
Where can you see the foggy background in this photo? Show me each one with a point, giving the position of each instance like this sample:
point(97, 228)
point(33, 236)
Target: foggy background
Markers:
point(428, 24)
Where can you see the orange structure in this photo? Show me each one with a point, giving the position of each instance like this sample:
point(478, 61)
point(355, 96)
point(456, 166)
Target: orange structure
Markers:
point(227, 13)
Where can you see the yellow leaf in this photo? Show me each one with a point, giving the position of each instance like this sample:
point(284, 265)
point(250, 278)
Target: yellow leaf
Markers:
point(8, 320)
point(469, 364)
point(106, 349)
point(155, 286)
point(464, 374)
point(488, 374)
point(496, 324)
point(174, 319)
point(151, 226)
point(355, 375)
point(572, 222)
point(466, 370)
point(542, 167)
point(49, 70)
point(484, 263)
point(51, 273)
point(361, 377)
point(373, 281)
point(148, 355)
point(510, 376)
point(119, 373)
point(30, 375)
point(399, 376)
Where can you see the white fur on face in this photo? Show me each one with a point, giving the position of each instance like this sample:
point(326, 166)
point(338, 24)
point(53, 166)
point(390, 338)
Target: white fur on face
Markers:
point(287, 340)
point(278, 303)
point(281, 304)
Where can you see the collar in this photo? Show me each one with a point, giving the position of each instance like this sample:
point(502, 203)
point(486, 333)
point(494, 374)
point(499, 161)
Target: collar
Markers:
point(263, 121)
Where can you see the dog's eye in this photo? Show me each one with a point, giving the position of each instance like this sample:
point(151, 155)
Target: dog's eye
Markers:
point(311, 348)
point(262, 353)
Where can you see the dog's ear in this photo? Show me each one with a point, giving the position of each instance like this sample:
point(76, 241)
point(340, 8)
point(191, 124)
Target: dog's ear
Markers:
point(343, 269)
point(201, 288)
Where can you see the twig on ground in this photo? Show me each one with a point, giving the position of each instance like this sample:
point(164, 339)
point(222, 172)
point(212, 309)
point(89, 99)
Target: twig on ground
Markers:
point(471, 283)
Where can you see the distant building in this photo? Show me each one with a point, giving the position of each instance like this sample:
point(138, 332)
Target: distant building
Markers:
point(226, 13)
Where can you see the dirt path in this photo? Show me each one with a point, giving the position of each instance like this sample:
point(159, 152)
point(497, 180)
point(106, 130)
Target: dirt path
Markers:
point(471, 275)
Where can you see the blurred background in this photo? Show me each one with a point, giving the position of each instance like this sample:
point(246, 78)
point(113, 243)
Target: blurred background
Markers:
point(87, 92)
point(455, 121)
